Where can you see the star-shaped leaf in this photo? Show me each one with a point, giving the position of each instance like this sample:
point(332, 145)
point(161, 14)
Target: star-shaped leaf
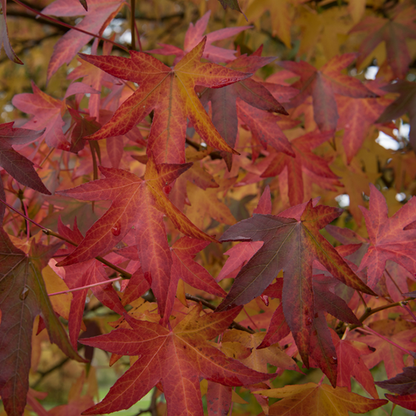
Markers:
point(13, 162)
point(23, 296)
point(318, 400)
point(394, 32)
point(389, 238)
point(170, 92)
point(291, 243)
point(177, 358)
point(323, 84)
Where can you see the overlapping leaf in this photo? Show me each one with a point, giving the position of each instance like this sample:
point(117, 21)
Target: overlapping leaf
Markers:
point(170, 92)
point(394, 32)
point(318, 400)
point(195, 34)
point(304, 162)
point(98, 15)
point(323, 84)
point(291, 243)
point(4, 35)
point(225, 101)
point(390, 240)
point(23, 296)
point(177, 358)
point(403, 383)
point(13, 162)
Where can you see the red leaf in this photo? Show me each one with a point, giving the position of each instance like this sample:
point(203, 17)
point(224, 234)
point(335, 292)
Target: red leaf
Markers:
point(407, 401)
point(388, 236)
point(175, 357)
point(300, 237)
point(323, 84)
point(394, 33)
point(95, 20)
point(13, 162)
point(171, 94)
point(23, 296)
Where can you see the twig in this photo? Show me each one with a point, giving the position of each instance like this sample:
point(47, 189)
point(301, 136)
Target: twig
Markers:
point(43, 374)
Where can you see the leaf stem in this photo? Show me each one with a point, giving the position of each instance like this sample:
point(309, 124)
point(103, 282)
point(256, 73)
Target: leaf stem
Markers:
point(86, 287)
point(51, 19)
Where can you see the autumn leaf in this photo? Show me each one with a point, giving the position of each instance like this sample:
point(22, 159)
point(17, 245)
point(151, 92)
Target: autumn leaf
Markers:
point(80, 275)
point(404, 104)
point(407, 401)
point(184, 267)
point(195, 35)
point(171, 94)
point(225, 101)
point(304, 162)
point(23, 296)
point(4, 35)
point(258, 359)
point(400, 334)
point(350, 364)
point(323, 84)
point(402, 384)
point(96, 18)
point(388, 237)
point(394, 32)
point(318, 400)
point(357, 115)
point(48, 112)
point(13, 162)
point(280, 14)
point(139, 203)
point(176, 358)
point(295, 231)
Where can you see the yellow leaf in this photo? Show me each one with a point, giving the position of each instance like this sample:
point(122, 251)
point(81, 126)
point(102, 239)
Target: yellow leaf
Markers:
point(61, 303)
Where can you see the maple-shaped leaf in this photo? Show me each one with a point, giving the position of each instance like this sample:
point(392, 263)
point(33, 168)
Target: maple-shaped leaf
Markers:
point(323, 84)
point(77, 276)
point(406, 103)
point(291, 243)
point(403, 383)
point(185, 268)
point(280, 16)
point(170, 92)
point(258, 359)
point(48, 111)
point(195, 34)
point(350, 364)
point(4, 35)
point(318, 400)
point(139, 203)
point(224, 101)
point(303, 163)
point(13, 162)
point(357, 115)
point(129, 195)
point(394, 32)
point(401, 333)
point(389, 238)
point(23, 296)
point(177, 358)
point(407, 401)
point(99, 14)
